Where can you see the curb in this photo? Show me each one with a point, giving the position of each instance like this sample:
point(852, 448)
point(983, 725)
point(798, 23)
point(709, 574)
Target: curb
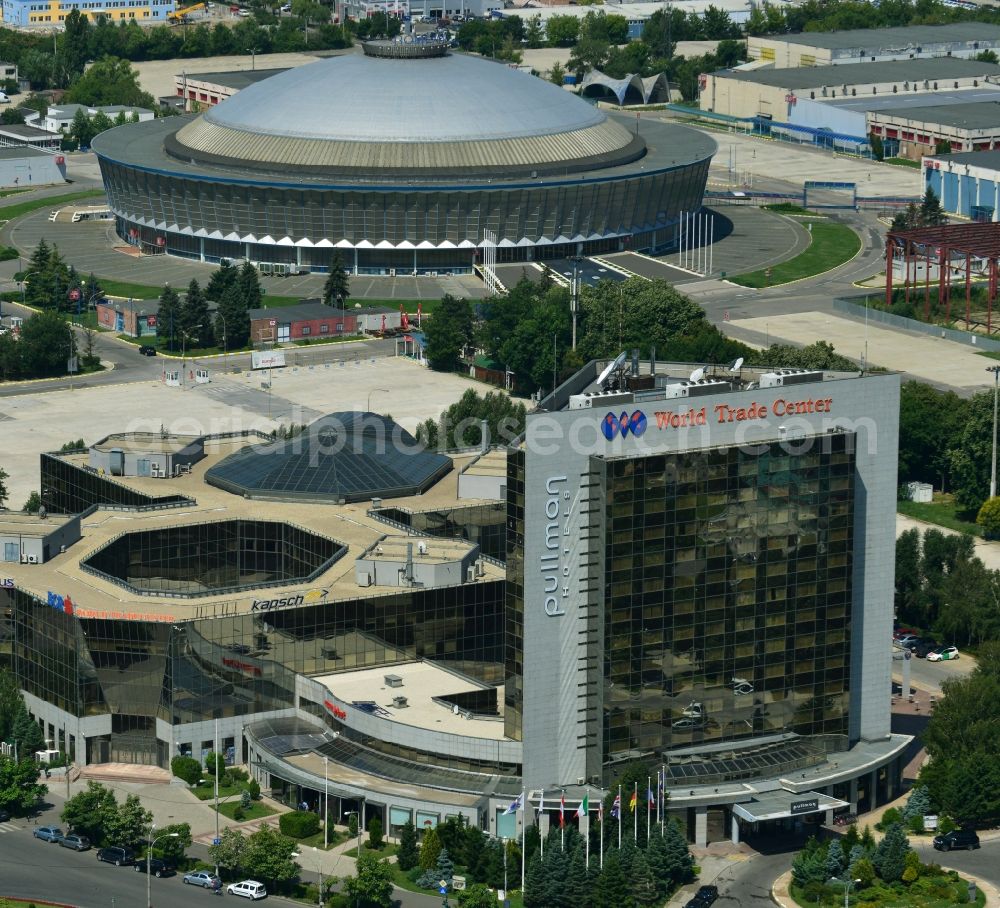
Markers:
point(36, 901)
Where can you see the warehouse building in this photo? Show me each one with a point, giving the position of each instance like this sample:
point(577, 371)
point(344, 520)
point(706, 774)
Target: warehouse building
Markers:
point(967, 184)
point(774, 93)
point(874, 45)
point(200, 90)
point(917, 131)
point(25, 166)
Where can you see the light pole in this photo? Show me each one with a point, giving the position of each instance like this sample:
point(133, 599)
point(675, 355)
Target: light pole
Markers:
point(24, 280)
point(357, 813)
point(225, 345)
point(149, 858)
point(326, 803)
point(993, 467)
point(382, 391)
point(848, 885)
point(185, 337)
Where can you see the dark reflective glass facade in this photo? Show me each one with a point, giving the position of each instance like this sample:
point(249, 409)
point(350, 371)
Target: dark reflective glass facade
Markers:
point(727, 594)
point(482, 524)
point(139, 671)
point(514, 649)
point(69, 488)
point(201, 559)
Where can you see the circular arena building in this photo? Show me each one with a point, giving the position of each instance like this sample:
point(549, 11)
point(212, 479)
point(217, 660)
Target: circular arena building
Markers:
point(406, 158)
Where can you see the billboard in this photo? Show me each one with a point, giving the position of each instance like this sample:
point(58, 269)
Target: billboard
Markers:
point(267, 359)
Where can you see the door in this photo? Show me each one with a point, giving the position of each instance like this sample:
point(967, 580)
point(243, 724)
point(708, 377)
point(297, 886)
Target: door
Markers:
point(11, 551)
point(142, 467)
point(284, 333)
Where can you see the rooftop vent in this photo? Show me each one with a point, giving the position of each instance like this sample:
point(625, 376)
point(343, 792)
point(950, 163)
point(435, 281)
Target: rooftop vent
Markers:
point(400, 702)
point(393, 681)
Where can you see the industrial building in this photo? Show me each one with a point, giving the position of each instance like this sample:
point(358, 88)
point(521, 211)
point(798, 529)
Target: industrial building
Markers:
point(24, 166)
point(200, 90)
point(918, 131)
point(692, 573)
point(874, 45)
point(357, 155)
point(775, 93)
point(52, 12)
point(967, 184)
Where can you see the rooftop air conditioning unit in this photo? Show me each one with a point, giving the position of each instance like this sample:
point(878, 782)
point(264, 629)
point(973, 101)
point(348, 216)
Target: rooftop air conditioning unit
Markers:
point(393, 681)
point(32, 559)
point(400, 702)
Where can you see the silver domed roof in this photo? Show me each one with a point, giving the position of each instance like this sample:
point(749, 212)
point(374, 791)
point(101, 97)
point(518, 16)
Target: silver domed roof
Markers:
point(455, 98)
point(366, 115)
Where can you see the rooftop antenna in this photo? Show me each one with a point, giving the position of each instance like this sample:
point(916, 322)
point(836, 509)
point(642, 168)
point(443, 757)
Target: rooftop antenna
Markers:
point(737, 365)
point(698, 374)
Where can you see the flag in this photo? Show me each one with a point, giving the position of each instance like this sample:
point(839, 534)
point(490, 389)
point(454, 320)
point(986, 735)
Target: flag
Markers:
point(600, 811)
point(404, 320)
point(541, 802)
point(562, 811)
point(516, 805)
point(420, 312)
point(616, 807)
point(632, 801)
point(581, 811)
point(650, 798)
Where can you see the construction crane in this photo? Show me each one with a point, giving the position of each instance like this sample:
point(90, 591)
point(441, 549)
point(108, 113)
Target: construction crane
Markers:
point(180, 15)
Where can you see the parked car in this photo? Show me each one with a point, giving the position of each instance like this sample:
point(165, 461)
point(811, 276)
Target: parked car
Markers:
point(688, 723)
point(76, 842)
point(693, 710)
point(957, 838)
point(156, 867)
point(204, 879)
point(48, 833)
point(948, 654)
point(923, 649)
point(147, 350)
point(116, 855)
point(706, 895)
point(249, 889)
point(4, 816)
point(906, 639)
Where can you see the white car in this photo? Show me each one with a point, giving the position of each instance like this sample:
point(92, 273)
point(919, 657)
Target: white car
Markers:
point(949, 653)
point(249, 889)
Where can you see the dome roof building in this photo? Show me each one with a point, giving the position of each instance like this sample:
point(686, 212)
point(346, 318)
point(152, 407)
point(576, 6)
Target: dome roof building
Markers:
point(404, 157)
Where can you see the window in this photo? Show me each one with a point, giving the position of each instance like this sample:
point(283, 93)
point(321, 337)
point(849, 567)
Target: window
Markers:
point(324, 328)
point(306, 330)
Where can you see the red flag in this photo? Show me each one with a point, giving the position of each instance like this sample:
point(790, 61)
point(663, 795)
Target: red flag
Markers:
point(383, 323)
point(420, 312)
point(404, 321)
point(562, 811)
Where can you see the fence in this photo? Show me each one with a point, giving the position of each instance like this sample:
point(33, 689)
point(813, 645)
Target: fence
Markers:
point(856, 310)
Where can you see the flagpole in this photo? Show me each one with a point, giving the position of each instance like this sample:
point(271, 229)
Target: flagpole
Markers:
point(541, 838)
point(649, 791)
point(562, 821)
point(620, 809)
point(600, 817)
point(635, 812)
point(663, 794)
point(524, 798)
point(586, 799)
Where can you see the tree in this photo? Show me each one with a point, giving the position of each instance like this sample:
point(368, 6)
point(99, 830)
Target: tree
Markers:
point(809, 865)
point(231, 852)
point(612, 889)
point(644, 889)
point(430, 848)
point(74, 45)
point(835, 858)
point(878, 148)
point(337, 289)
point(460, 425)
point(169, 848)
point(443, 869)
point(46, 345)
point(168, 318)
point(987, 56)
point(215, 765)
point(242, 295)
point(931, 212)
point(557, 74)
point(186, 768)
point(11, 117)
point(11, 701)
point(109, 81)
point(89, 811)
point(989, 518)
point(375, 833)
point(28, 738)
point(372, 886)
point(129, 823)
point(970, 454)
point(562, 31)
point(930, 422)
point(221, 280)
point(448, 333)
point(408, 855)
point(268, 856)
point(889, 859)
point(534, 32)
point(20, 790)
point(193, 316)
point(588, 53)
point(352, 826)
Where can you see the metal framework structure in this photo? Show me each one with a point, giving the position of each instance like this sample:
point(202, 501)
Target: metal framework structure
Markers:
point(955, 251)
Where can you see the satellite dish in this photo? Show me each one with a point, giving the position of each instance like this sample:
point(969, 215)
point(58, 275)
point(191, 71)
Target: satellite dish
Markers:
point(698, 374)
point(736, 366)
point(612, 367)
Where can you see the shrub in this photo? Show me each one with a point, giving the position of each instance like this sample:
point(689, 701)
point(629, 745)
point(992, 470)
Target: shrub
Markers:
point(237, 774)
point(298, 824)
point(238, 814)
point(915, 824)
point(375, 833)
point(891, 816)
point(245, 800)
point(253, 786)
point(186, 768)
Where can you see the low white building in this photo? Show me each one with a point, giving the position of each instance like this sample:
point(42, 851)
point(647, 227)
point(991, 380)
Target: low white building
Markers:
point(23, 167)
point(60, 118)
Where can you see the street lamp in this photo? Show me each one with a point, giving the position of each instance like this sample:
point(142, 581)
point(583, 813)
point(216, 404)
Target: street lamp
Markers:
point(993, 468)
point(357, 813)
point(185, 337)
point(848, 885)
point(382, 391)
point(326, 803)
point(24, 280)
point(149, 858)
point(225, 345)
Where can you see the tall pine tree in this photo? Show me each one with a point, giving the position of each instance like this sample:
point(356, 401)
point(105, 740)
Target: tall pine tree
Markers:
point(168, 318)
point(337, 288)
point(194, 318)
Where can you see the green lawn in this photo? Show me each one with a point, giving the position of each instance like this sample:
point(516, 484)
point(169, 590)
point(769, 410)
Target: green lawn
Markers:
point(903, 162)
point(927, 892)
point(256, 811)
point(9, 212)
point(400, 878)
point(316, 841)
point(832, 245)
point(207, 792)
point(386, 851)
point(940, 511)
